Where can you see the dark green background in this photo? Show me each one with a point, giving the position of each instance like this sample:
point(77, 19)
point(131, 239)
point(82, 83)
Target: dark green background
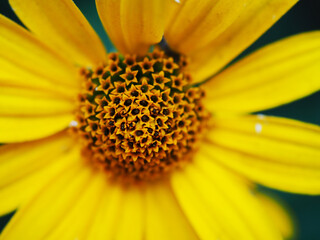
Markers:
point(305, 16)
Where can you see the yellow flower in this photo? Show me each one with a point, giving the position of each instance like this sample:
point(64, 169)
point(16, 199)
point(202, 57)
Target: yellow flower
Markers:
point(126, 146)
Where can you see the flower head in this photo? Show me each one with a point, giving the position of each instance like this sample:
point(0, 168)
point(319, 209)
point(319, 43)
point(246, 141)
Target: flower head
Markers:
point(151, 145)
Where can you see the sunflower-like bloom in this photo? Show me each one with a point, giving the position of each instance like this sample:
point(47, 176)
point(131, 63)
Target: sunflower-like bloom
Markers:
point(159, 144)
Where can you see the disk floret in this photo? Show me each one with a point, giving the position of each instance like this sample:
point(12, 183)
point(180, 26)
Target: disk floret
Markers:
point(139, 118)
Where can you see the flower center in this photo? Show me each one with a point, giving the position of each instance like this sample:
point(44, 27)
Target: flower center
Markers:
point(139, 118)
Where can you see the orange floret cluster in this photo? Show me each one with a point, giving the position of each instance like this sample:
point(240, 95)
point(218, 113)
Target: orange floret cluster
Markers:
point(140, 117)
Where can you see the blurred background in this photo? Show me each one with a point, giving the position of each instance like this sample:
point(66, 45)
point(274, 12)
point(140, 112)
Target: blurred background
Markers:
point(304, 16)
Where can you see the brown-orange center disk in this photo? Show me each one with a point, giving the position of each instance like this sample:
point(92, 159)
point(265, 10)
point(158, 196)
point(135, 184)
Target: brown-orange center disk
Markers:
point(139, 118)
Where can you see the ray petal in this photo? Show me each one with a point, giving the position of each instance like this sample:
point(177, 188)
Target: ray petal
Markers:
point(277, 152)
point(164, 217)
point(256, 18)
point(21, 101)
point(60, 24)
point(197, 23)
point(20, 129)
point(277, 74)
point(46, 210)
point(207, 193)
point(24, 54)
point(28, 167)
point(133, 25)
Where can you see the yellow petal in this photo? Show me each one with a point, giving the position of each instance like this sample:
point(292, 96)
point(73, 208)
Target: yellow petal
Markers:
point(198, 23)
point(20, 159)
point(78, 217)
point(21, 53)
point(133, 25)
point(131, 222)
point(48, 208)
point(122, 212)
point(203, 222)
point(60, 24)
point(280, 217)
point(164, 218)
point(206, 193)
point(29, 102)
point(171, 8)
point(109, 13)
point(15, 76)
point(253, 21)
point(20, 129)
point(107, 213)
point(278, 153)
point(269, 77)
point(18, 192)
